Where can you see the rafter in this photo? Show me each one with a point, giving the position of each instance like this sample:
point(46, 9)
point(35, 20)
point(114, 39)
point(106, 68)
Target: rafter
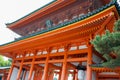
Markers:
point(103, 26)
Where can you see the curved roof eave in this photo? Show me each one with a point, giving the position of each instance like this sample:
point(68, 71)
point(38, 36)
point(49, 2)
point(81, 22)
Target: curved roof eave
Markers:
point(39, 12)
point(31, 13)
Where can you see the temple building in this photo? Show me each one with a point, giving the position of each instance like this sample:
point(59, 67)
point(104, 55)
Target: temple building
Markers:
point(55, 41)
point(4, 72)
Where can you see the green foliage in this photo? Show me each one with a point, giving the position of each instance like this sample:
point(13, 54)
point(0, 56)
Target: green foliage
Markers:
point(4, 63)
point(112, 63)
point(117, 26)
point(104, 44)
point(109, 43)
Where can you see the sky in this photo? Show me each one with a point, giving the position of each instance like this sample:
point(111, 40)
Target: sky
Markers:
point(11, 10)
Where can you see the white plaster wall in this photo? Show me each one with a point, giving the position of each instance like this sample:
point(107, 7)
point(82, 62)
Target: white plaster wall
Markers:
point(27, 74)
point(14, 74)
point(110, 73)
point(93, 76)
point(96, 59)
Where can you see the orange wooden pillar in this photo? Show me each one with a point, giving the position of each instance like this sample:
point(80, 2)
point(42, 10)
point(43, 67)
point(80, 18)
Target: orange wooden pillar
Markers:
point(75, 75)
point(45, 73)
point(89, 62)
point(64, 67)
point(32, 67)
point(20, 69)
point(97, 77)
point(40, 75)
point(67, 74)
point(51, 75)
point(10, 71)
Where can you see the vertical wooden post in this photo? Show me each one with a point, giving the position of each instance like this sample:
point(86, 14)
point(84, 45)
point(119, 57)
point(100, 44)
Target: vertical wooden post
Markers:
point(89, 62)
point(40, 75)
point(76, 76)
point(97, 77)
point(32, 66)
point(64, 67)
point(45, 74)
point(73, 75)
point(20, 69)
point(63, 74)
point(10, 71)
point(51, 75)
point(67, 74)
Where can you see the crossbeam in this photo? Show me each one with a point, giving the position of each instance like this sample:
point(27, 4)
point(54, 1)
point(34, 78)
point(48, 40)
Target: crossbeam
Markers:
point(52, 66)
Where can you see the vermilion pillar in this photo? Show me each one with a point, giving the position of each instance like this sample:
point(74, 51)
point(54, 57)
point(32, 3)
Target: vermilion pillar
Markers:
point(45, 74)
point(97, 77)
point(10, 71)
point(20, 69)
point(75, 75)
point(67, 74)
point(89, 62)
point(51, 75)
point(32, 67)
point(40, 75)
point(64, 67)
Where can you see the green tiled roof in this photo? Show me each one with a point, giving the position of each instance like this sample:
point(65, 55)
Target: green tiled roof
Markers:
point(6, 67)
point(71, 22)
point(96, 65)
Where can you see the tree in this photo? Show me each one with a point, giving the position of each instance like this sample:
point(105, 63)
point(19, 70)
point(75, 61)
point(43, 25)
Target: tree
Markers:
point(4, 63)
point(109, 44)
